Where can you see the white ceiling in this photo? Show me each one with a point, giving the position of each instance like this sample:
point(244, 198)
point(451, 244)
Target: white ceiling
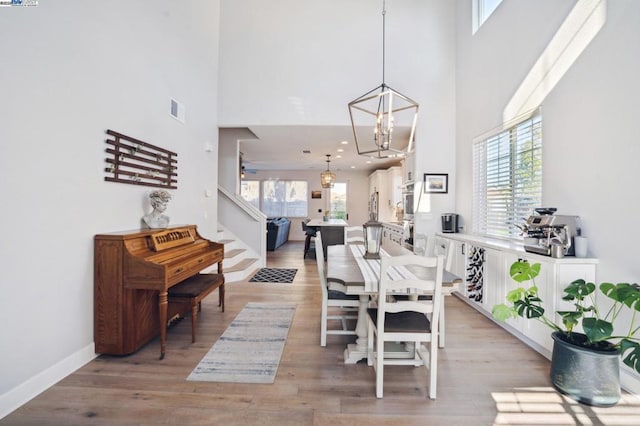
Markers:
point(281, 148)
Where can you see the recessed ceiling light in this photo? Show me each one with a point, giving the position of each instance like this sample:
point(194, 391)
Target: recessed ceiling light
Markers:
point(338, 156)
point(345, 142)
point(353, 167)
point(340, 150)
point(368, 161)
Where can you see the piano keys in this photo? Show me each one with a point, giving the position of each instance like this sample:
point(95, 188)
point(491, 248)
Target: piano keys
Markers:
point(133, 271)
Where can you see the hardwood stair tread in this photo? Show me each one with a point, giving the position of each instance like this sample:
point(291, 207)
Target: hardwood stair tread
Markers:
point(240, 266)
point(233, 253)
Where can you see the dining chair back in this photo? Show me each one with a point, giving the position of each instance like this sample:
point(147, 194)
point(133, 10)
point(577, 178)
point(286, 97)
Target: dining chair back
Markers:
point(420, 244)
point(353, 234)
point(444, 247)
point(336, 304)
point(406, 320)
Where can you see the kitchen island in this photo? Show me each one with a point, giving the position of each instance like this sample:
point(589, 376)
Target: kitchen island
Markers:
point(332, 231)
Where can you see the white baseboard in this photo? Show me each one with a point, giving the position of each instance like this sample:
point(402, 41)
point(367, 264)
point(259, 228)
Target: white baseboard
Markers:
point(23, 393)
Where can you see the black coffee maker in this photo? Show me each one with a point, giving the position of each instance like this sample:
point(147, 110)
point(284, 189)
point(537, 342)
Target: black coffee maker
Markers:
point(449, 223)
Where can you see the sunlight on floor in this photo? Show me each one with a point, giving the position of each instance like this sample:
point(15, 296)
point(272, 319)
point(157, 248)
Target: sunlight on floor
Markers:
point(579, 28)
point(544, 406)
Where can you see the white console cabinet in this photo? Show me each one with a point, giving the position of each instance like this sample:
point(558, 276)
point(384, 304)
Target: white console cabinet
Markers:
point(484, 265)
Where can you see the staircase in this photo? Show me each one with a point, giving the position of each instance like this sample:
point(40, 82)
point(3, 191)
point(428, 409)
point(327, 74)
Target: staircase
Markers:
point(240, 263)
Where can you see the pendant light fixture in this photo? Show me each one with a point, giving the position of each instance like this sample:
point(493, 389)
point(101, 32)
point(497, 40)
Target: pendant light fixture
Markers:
point(383, 120)
point(327, 178)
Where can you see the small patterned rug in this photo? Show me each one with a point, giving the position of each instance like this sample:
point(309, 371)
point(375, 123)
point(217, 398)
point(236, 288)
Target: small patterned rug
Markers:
point(250, 349)
point(274, 275)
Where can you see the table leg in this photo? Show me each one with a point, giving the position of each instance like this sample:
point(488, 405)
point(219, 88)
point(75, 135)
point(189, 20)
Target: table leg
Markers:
point(357, 351)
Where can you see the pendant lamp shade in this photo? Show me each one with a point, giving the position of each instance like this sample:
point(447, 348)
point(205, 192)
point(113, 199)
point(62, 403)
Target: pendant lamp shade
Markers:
point(383, 120)
point(327, 178)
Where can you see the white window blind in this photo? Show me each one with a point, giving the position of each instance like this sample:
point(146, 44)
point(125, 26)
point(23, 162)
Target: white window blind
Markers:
point(250, 191)
point(284, 198)
point(507, 178)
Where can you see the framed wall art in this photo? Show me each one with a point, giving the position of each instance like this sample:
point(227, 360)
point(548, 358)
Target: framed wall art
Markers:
point(316, 194)
point(436, 183)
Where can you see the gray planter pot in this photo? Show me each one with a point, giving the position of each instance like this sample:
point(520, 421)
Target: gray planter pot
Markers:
point(588, 376)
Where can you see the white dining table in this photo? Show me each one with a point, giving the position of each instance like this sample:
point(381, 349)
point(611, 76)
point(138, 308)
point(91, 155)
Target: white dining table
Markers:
point(342, 267)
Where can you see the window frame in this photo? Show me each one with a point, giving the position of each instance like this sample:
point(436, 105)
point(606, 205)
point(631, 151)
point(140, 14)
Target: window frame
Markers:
point(285, 211)
point(242, 194)
point(329, 204)
point(480, 13)
point(505, 192)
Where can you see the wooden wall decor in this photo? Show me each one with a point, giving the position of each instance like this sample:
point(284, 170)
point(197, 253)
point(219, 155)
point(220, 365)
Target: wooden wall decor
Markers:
point(136, 162)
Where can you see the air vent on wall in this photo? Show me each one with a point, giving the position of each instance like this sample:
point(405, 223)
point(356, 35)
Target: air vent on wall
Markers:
point(177, 110)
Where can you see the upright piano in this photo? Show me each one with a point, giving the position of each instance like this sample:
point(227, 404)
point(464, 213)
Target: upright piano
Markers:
point(133, 271)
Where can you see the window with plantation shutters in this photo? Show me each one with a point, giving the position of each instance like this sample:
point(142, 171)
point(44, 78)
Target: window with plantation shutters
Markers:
point(507, 178)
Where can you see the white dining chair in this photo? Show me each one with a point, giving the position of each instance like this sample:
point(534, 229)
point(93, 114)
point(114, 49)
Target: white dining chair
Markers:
point(414, 321)
point(336, 304)
point(420, 244)
point(353, 234)
point(444, 247)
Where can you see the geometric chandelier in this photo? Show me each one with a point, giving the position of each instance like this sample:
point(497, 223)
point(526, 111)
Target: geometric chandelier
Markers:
point(327, 178)
point(383, 120)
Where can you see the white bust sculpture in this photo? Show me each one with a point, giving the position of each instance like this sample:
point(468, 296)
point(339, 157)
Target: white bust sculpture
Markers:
point(156, 219)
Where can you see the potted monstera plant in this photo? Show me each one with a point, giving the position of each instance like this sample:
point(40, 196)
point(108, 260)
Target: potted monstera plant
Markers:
point(584, 365)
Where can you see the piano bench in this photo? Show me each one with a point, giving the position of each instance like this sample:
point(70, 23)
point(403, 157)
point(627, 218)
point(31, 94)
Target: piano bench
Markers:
point(189, 293)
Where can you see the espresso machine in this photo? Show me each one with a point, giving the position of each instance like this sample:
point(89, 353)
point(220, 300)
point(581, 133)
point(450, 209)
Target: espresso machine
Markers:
point(550, 235)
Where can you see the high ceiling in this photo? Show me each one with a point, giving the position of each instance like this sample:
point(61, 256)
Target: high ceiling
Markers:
point(285, 148)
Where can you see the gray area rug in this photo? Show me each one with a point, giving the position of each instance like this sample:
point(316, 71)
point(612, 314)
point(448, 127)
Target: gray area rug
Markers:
point(274, 275)
point(249, 350)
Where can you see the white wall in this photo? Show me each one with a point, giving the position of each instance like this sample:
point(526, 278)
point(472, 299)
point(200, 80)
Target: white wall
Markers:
point(300, 63)
point(357, 195)
point(228, 157)
point(591, 147)
point(71, 70)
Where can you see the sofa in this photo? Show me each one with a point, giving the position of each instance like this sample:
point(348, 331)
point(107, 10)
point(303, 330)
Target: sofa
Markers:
point(277, 232)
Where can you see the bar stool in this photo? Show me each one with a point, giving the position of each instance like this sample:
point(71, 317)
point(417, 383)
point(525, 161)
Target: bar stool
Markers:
point(310, 232)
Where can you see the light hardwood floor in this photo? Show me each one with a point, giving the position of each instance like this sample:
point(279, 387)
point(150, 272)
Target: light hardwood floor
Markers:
point(486, 376)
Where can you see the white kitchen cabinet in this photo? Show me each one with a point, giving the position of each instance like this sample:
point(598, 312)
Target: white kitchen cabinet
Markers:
point(394, 175)
point(388, 184)
point(459, 262)
point(376, 185)
point(493, 275)
point(408, 167)
point(533, 329)
point(392, 234)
